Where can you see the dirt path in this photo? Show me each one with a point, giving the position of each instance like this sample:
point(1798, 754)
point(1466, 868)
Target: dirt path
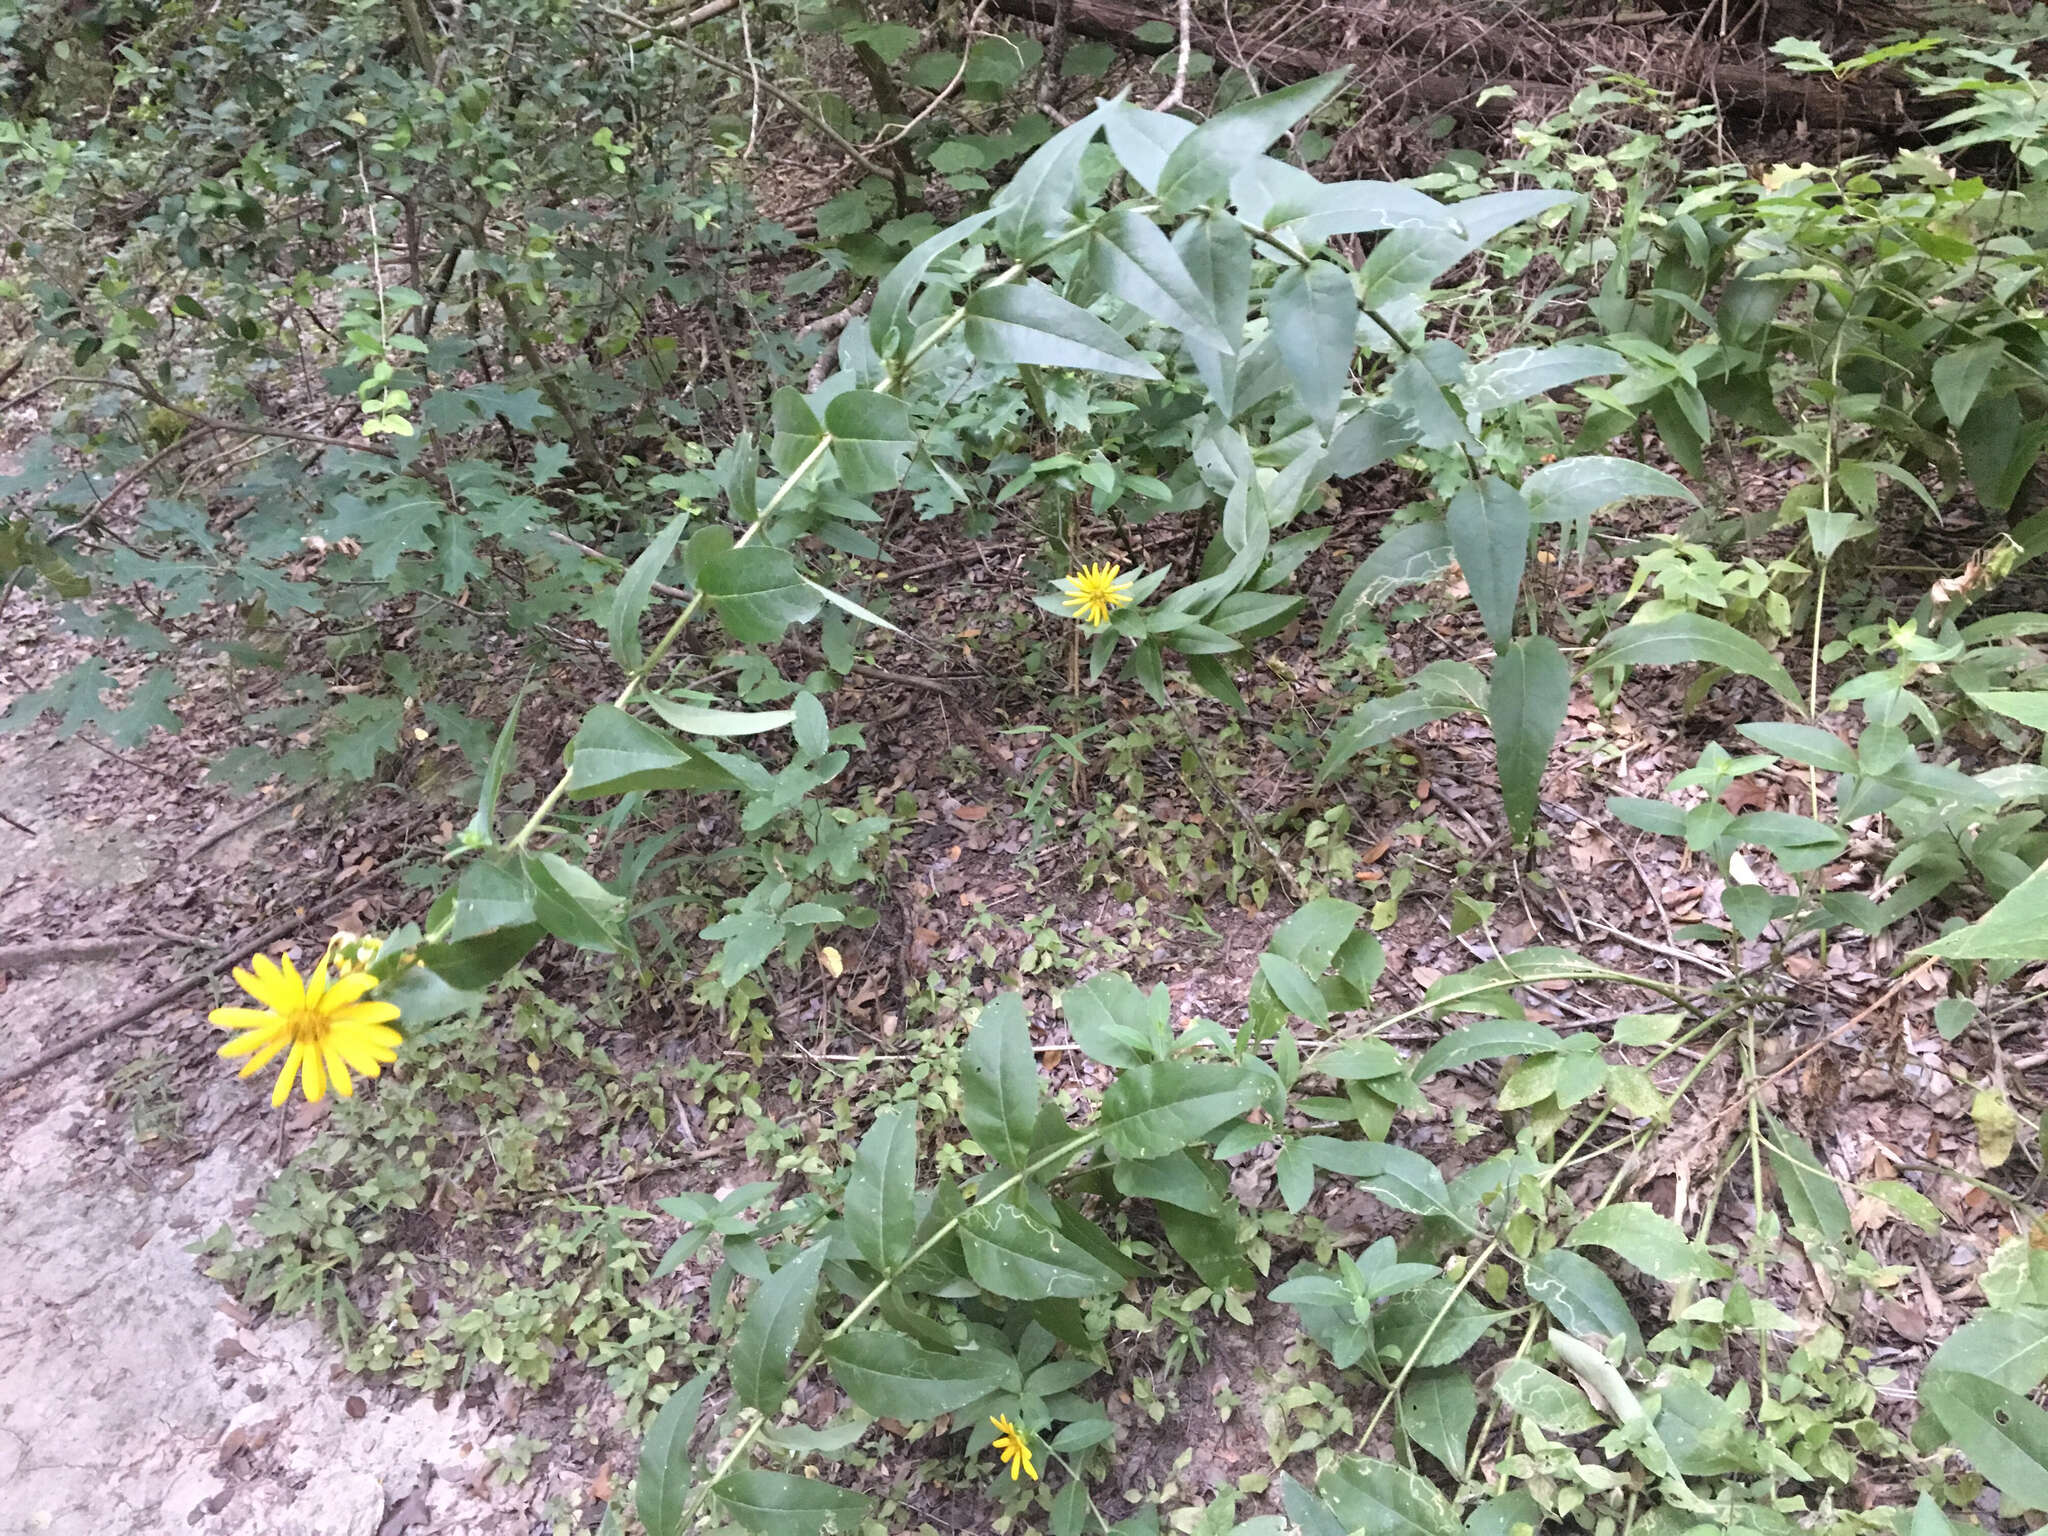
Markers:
point(136, 1397)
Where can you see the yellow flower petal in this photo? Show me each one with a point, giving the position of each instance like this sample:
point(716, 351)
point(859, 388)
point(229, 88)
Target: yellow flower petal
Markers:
point(243, 1018)
point(314, 1078)
point(243, 1044)
point(282, 1090)
point(337, 1071)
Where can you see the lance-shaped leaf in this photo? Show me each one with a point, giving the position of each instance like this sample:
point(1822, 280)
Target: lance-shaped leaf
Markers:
point(1036, 204)
point(667, 1471)
point(636, 588)
point(999, 1085)
point(1522, 373)
point(871, 440)
point(1531, 686)
point(1693, 637)
point(1314, 314)
point(1152, 1110)
point(1137, 263)
point(892, 1376)
point(797, 430)
point(889, 316)
point(775, 1316)
point(1012, 1252)
point(758, 592)
point(881, 1193)
point(1027, 322)
point(777, 1504)
point(1489, 528)
point(1201, 166)
point(615, 754)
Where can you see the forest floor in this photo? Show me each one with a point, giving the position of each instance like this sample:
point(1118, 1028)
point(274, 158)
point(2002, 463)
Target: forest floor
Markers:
point(498, 1348)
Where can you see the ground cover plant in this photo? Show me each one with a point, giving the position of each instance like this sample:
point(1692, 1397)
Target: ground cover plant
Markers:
point(1231, 849)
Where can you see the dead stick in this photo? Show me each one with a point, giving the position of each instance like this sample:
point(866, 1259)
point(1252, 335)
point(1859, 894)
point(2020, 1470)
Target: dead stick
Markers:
point(228, 958)
point(22, 957)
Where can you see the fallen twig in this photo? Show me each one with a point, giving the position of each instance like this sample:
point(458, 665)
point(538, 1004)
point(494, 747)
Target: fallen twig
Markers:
point(37, 952)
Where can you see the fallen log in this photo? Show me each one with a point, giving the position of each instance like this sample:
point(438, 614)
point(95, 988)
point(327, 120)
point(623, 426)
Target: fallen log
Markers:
point(1498, 56)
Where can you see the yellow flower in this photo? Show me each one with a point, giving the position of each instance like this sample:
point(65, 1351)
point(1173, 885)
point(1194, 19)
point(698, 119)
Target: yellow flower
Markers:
point(1094, 590)
point(351, 952)
point(1014, 1449)
point(329, 1025)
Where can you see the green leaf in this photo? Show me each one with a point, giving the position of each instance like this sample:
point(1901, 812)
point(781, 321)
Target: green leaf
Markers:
point(1141, 139)
point(1360, 207)
point(1485, 1040)
point(2030, 709)
point(574, 906)
point(1137, 263)
point(999, 1086)
point(871, 440)
point(1799, 843)
point(1692, 637)
point(701, 720)
point(1028, 323)
point(1152, 1110)
point(1295, 988)
point(1217, 254)
point(1521, 373)
point(892, 1376)
point(1499, 1515)
point(1314, 316)
point(666, 1469)
point(1489, 528)
point(775, 1316)
point(881, 1192)
point(797, 430)
point(1110, 1019)
point(484, 823)
point(1379, 721)
point(615, 754)
point(1012, 1253)
point(1385, 1500)
point(1037, 202)
point(1309, 1514)
point(1812, 1197)
point(1555, 1405)
point(757, 592)
point(777, 1504)
point(1176, 1179)
point(1437, 1409)
point(1408, 556)
point(2003, 1433)
point(1654, 1244)
point(1201, 165)
point(2015, 929)
point(635, 589)
point(1406, 1180)
point(1960, 376)
point(1802, 743)
point(1575, 1292)
point(889, 317)
point(1531, 686)
point(1572, 490)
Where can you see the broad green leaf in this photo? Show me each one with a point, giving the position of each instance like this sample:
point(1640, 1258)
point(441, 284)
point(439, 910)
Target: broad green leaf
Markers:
point(1012, 1253)
point(1406, 1180)
point(1802, 743)
point(1960, 376)
point(574, 906)
point(615, 754)
point(1368, 438)
point(775, 1316)
point(1557, 1406)
point(1799, 843)
point(892, 1376)
point(1812, 1197)
point(1361, 1061)
point(1312, 934)
point(1379, 721)
point(1577, 1293)
point(1142, 139)
point(1433, 1324)
point(889, 317)
point(881, 1192)
point(757, 592)
point(1436, 1410)
point(2003, 1433)
point(1489, 528)
point(871, 442)
point(1524, 372)
point(1407, 261)
point(1360, 207)
point(1217, 256)
point(777, 1504)
point(2009, 1347)
point(1310, 1515)
point(1152, 1110)
point(1027, 322)
point(1685, 638)
point(702, 720)
point(2030, 709)
point(1200, 166)
point(636, 587)
point(1572, 490)
point(1175, 1178)
point(1110, 1019)
point(1137, 263)
point(1408, 556)
point(1385, 1500)
point(2015, 929)
point(1531, 686)
point(797, 430)
point(1654, 1244)
point(1314, 316)
point(1499, 1515)
point(1295, 988)
point(999, 1086)
point(1485, 1040)
point(667, 1472)
point(1037, 202)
